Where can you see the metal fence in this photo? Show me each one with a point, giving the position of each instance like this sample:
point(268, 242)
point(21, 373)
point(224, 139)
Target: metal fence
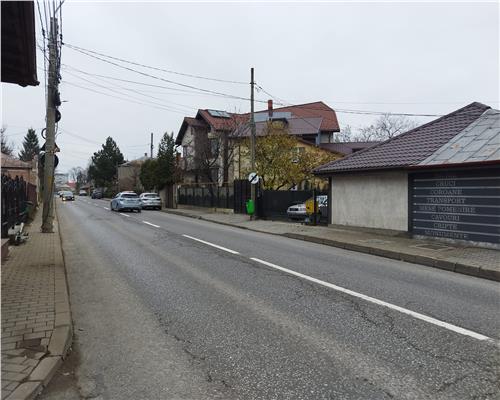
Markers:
point(16, 196)
point(206, 196)
point(272, 204)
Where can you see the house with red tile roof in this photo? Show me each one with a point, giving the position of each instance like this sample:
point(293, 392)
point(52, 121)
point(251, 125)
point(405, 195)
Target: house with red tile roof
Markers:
point(439, 180)
point(210, 141)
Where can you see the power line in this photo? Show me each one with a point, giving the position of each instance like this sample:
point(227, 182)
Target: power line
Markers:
point(156, 68)
point(163, 79)
point(132, 90)
point(350, 111)
point(140, 83)
point(121, 98)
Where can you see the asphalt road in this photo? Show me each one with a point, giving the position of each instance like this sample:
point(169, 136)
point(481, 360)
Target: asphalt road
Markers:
point(171, 307)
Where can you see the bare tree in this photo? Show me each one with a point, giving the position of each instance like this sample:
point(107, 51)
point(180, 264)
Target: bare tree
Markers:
point(345, 135)
point(78, 175)
point(7, 148)
point(386, 127)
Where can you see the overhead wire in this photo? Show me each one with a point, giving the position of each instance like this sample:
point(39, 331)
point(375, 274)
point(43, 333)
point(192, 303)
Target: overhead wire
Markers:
point(157, 68)
point(162, 79)
point(139, 83)
point(120, 98)
point(132, 90)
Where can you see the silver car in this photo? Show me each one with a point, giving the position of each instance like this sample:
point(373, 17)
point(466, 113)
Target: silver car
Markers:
point(126, 201)
point(298, 211)
point(151, 200)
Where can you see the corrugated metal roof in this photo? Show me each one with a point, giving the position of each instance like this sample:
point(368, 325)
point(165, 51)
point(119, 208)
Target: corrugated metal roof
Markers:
point(409, 148)
point(480, 141)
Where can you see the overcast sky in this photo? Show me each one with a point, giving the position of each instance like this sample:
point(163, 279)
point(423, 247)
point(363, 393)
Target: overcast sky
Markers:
point(422, 58)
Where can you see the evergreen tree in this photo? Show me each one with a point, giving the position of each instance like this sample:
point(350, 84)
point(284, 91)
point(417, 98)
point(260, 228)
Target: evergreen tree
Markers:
point(31, 147)
point(149, 174)
point(104, 165)
point(166, 161)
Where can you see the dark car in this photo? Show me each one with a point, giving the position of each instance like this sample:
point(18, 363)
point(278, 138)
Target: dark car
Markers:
point(96, 194)
point(67, 196)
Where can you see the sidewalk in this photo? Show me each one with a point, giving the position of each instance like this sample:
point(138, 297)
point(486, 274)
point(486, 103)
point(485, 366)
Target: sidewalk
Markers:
point(36, 318)
point(480, 262)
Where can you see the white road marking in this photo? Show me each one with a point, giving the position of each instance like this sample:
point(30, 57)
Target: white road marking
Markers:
point(106, 208)
point(413, 314)
point(149, 223)
point(211, 244)
point(125, 215)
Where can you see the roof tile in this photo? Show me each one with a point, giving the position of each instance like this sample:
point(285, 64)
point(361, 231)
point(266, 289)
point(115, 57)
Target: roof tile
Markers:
point(409, 148)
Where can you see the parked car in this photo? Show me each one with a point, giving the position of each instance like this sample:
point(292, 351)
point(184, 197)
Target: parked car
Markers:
point(126, 201)
point(67, 196)
point(151, 200)
point(96, 194)
point(298, 211)
point(82, 193)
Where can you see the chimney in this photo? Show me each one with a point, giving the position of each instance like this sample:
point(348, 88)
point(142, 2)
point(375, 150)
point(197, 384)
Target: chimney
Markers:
point(270, 108)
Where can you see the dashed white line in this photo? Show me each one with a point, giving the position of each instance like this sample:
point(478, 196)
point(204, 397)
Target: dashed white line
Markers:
point(212, 244)
point(106, 208)
point(413, 314)
point(149, 223)
point(125, 215)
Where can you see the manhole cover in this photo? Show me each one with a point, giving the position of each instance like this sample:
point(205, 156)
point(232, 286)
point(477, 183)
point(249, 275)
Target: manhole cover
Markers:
point(428, 246)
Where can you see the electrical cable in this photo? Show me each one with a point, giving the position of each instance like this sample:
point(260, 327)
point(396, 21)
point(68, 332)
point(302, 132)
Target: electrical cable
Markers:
point(132, 90)
point(156, 68)
point(121, 98)
point(163, 79)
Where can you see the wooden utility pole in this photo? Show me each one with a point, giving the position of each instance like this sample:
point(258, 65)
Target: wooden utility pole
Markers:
point(50, 133)
point(151, 145)
point(253, 137)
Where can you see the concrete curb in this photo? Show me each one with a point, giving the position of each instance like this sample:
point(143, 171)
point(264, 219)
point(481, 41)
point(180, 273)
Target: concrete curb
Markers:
point(61, 338)
point(410, 258)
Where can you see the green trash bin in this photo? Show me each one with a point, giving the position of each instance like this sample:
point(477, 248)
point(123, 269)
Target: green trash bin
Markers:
point(250, 207)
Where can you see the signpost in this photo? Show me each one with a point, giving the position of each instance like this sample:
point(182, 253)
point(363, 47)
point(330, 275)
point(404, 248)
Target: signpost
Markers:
point(253, 178)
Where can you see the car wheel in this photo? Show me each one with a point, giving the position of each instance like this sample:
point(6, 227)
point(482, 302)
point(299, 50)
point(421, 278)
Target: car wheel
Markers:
point(139, 211)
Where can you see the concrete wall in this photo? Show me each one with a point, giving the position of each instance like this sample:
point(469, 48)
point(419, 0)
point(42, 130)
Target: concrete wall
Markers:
point(373, 200)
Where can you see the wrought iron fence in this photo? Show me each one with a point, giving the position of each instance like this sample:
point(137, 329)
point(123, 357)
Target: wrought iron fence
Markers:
point(206, 196)
point(16, 196)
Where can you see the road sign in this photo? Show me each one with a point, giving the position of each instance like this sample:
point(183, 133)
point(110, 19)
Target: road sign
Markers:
point(253, 178)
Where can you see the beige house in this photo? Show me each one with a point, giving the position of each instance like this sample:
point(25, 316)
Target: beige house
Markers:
point(129, 174)
point(211, 141)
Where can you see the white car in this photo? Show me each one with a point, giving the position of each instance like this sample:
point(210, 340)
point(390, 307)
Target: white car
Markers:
point(298, 211)
point(150, 200)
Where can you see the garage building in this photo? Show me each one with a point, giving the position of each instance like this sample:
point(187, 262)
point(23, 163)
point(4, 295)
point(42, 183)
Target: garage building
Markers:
point(440, 180)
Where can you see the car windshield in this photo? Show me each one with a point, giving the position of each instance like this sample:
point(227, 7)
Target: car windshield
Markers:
point(129, 195)
point(68, 193)
point(154, 195)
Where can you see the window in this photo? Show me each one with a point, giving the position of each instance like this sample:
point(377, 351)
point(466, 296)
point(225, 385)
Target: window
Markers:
point(214, 147)
point(297, 153)
point(184, 151)
point(214, 174)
